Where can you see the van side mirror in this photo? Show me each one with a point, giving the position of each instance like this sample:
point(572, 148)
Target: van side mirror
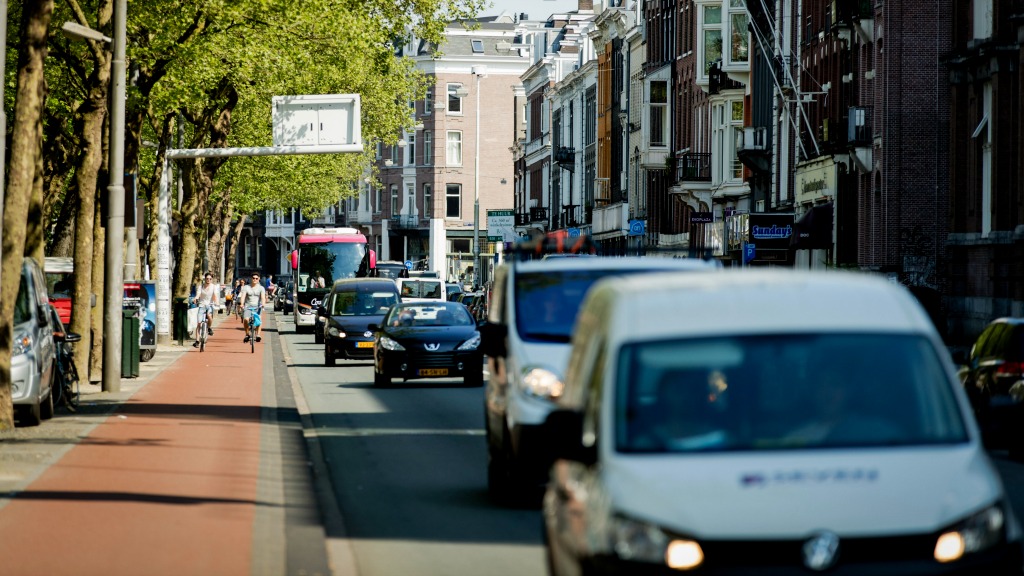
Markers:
point(492, 339)
point(563, 430)
point(321, 311)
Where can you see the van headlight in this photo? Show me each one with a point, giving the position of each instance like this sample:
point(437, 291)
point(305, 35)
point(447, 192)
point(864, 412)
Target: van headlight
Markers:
point(638, 541)
point(471, 344)
point(389, 344)
point(21, 344)
point(542, 383)
point(978, 532)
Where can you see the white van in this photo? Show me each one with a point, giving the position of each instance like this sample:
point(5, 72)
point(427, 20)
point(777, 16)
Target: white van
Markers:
point(526, 339)
point(768, 420)
point(420, 289)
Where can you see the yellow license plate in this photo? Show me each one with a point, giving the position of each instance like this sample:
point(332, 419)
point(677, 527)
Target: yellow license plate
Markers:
point(364, 344)
point(433, 372)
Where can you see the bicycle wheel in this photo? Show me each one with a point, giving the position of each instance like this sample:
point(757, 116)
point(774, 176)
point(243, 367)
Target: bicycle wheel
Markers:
point(202, 336)
point(252, 338)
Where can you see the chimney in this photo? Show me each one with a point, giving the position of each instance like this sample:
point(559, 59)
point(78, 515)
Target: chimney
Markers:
point(586, 5)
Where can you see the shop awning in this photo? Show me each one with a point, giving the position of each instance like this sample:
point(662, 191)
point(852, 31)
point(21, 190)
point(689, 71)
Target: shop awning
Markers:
point(814, 230)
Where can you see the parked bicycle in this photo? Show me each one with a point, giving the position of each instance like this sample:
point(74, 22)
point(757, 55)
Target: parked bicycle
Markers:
point(66, 385)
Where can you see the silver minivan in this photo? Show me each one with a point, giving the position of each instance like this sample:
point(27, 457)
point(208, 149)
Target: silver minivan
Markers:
point(32, 349)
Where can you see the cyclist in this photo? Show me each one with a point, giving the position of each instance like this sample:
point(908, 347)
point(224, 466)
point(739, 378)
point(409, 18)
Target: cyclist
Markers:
point(252, 295)
point(207, 296)
point(237, 289)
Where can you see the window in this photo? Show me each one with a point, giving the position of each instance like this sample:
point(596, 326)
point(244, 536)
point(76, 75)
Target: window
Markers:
point(727, 126)
point(454, 101)
point(428, 103)
point(288, 217)
point(428, 148)
point(717, 21)
point(428, 208)
point(394, 200)
point(410, 158)
point(659, 113)
point(377, 202)
point(478, 46)
point(453, 201)
point(410, 198)
point(395, 151)
point(454, 148)
point(380, 150)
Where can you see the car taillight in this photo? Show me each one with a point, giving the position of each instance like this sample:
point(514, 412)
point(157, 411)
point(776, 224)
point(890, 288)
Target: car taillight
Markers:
point(1012, 368)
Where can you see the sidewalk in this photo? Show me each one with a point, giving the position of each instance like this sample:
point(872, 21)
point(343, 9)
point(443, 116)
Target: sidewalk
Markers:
point(179, 473)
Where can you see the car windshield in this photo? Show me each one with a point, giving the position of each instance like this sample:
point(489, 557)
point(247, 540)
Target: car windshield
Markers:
point(771, 392)
point(551, 300)
point(417, 314)
point(362, 303)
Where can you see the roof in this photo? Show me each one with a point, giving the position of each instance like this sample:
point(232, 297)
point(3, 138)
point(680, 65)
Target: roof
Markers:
point(736, 301)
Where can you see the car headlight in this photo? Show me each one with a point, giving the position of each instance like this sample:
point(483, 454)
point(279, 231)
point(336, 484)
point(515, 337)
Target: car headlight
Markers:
point(638, 541)
point(470, 344)
point(334, 332)
point(542, 383)
point(389, 344)
point(22, 343)
point(975, 534)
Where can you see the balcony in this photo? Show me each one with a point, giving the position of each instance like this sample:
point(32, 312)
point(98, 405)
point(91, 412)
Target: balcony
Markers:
point(405, 222)
point(538, 214)
point(565, 156)
point(694, 166)
point(522, 218)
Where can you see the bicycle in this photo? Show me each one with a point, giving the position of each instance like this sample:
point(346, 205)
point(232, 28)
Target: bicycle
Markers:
point(202, 330)
point(254, 323)
point(66, 384)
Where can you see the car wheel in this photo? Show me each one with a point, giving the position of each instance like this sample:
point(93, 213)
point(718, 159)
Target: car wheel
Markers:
point(381, 380)
point(328, 358)
point(31, 415)
point(46, 406)
point(474, 378)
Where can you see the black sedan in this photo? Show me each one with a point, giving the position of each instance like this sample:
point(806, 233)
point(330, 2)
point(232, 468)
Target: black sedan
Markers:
point(427, 340)
point(349, 311)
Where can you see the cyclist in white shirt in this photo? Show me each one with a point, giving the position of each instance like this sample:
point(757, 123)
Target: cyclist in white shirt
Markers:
point(252, 296)
point(207, 296)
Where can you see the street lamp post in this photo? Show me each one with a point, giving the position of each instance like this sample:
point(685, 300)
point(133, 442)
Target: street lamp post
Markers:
point(479, 72)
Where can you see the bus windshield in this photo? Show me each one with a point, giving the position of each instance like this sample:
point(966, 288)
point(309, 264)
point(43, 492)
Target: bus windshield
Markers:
point(328, 261)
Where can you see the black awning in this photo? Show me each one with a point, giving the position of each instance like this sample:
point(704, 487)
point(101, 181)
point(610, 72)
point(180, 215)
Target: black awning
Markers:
point(814, 230)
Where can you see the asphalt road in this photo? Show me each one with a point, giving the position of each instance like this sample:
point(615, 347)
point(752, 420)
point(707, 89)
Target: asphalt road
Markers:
point(408, 470)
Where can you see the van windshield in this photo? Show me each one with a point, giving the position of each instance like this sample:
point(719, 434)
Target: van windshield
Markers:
point(23, 305)
point(422, 289)
point(550, 300)
point(771, 392)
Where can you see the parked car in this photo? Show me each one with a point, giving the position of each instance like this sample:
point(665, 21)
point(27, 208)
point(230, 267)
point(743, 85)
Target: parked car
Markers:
point(427, 340)
point(453, 290)
point(993, 376)
point(743, 421)
point(530, 320)
point(33, 351)
point(475, 302)
point(348, 311)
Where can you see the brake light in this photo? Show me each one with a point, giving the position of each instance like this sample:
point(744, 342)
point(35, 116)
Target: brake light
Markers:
point(1014, 368)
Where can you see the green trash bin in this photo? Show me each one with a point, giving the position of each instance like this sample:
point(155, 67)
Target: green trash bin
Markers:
point(129, 344)
point(180, 324)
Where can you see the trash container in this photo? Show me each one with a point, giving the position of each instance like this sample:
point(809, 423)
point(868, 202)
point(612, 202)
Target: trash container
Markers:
point(129, 344)
point(180, 324)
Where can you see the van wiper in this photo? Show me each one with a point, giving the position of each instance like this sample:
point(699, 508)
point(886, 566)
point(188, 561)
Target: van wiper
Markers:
point(547, 337)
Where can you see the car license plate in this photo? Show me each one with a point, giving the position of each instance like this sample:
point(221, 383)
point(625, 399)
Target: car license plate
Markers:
point(364, 344)
point(433, 372)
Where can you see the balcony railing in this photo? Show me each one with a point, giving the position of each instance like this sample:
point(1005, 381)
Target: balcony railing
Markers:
point(522, 218)
point(859, 126)
point(752, 139)
point(405, 221)
point(538, 214)
point(694, 166)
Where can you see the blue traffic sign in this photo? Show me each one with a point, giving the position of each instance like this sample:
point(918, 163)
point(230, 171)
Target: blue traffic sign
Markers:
point(573, 232)
point(408, 264)
point(748, 252)
point(637, 227)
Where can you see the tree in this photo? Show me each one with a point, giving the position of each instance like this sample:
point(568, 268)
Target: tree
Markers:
point(26, 146)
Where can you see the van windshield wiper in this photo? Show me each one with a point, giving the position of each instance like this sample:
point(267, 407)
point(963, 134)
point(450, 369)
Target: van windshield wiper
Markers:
point(547, 337)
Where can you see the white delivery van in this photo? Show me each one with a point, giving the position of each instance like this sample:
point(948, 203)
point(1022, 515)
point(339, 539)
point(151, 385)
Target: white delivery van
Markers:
point(526, 339)
point(775, 421)
point(421, 289)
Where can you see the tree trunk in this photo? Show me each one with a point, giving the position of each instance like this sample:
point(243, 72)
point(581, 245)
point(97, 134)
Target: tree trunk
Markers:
point(215, 238)
point(25, 148)
point(235, 235)
point(35, 234)
point(62, 241)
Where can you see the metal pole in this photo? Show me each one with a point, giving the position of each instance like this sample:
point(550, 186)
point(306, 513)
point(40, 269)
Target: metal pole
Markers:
point(476, 191)
point(114, 280)
point(163, 257)
point(3, 118)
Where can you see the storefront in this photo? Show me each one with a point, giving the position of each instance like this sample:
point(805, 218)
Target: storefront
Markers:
point(814, 236)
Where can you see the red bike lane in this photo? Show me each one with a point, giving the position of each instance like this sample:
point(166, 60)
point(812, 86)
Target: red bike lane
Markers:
point(166, 485)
